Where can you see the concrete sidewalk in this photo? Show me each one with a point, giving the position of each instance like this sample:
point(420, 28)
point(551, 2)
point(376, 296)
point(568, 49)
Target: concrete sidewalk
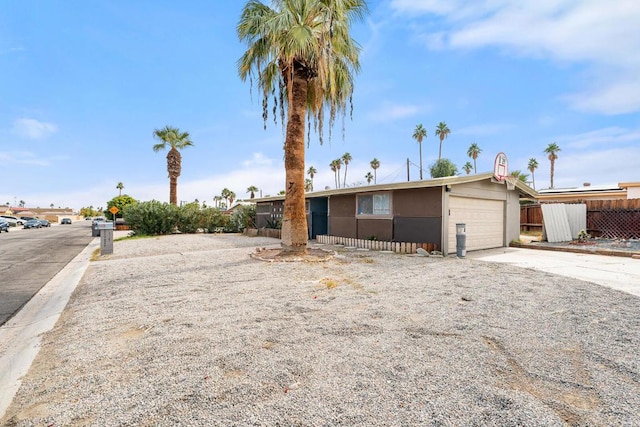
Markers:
point(621, 273)
point(20, 337)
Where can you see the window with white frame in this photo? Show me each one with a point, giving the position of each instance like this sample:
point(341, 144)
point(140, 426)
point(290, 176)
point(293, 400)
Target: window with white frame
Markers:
point(374, 204)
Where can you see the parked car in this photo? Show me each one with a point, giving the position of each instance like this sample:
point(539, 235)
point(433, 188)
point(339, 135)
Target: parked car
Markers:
point(32, 223)
point(26, 218)
point(45, 223)
point(65, 221)
point(4, 225)
point(12, 220)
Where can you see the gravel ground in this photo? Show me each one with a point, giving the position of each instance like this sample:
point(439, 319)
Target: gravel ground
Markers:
point(191, 331)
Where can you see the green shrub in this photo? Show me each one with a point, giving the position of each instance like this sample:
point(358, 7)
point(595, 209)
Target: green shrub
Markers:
point(151, 218)
point(190, 218)
point(213, 220)
point(274, 223)
point(243, 217)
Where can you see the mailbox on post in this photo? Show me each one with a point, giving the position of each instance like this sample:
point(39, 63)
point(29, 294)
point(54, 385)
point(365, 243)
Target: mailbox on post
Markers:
point(105, 228)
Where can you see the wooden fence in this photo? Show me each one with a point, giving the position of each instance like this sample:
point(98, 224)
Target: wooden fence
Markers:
point(611, 219)
point(377, 245)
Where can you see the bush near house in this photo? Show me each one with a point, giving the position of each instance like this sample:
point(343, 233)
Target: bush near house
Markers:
point(156, 218)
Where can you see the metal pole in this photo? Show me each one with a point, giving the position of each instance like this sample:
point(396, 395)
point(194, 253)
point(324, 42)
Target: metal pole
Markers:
point(408, 170)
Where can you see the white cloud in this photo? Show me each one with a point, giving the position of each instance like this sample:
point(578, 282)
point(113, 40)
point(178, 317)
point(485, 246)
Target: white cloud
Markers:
point(388, 112)
point(485, 129)
point(611, 136)
point(257, 159)
point(33, 129)
point(600, 35)
point(23, 158)
point(608, 166)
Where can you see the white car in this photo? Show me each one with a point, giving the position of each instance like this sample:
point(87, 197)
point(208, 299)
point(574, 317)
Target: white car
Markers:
point(12, 220)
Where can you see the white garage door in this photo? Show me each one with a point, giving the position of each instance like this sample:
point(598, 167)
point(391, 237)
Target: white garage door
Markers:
point(484, 221)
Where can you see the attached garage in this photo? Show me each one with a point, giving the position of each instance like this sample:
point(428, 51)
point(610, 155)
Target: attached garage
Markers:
point(483, 219)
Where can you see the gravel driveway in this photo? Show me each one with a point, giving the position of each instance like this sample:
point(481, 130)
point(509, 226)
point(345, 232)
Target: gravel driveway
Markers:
point(191, 331)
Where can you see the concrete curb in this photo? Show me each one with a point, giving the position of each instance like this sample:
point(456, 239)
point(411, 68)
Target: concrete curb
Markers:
point(20, 337)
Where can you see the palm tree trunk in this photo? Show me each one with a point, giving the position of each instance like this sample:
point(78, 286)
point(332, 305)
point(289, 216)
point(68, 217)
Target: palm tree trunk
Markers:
point(474, 166)
point(173, 190)
point(440, 150)
point(294, 221)
point(420, 145)
point(533, 177)
point(344, 183)
point(552, 171)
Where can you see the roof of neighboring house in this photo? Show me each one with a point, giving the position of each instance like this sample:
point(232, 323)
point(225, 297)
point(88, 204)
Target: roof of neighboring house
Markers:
point(590, 192)
point(523, 188)
point(628, 184)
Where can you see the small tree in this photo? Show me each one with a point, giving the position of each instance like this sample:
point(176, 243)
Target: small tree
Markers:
point(443, 168)
point(120, 202)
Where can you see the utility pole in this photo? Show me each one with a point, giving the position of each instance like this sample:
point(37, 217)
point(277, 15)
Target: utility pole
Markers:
point(408, 170)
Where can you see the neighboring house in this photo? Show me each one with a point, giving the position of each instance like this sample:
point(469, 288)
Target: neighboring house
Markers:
point(623, 191)
point(414, 211)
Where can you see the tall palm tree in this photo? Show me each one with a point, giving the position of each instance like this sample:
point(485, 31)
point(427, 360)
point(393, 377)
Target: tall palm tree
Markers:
point(338, 166)
point(232, 197)
point(334, 167)
point(375, 164)
point(552, 150)
point(308, 185)
point(120, 187)
point(252, 191)
point(473, 152)
point(172, 137)
point(442, 131)
point(532, 166)
point(217, 200)
point(304, 50)
point(419, 134)
point(226, 193)
point(468, 167)
point(346, 158)
point(369, 177)
point(311, 172)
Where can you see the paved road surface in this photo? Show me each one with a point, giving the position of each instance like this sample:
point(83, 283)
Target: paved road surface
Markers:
point(30, 258)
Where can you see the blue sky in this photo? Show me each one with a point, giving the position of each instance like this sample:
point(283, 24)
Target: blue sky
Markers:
point(84, 84)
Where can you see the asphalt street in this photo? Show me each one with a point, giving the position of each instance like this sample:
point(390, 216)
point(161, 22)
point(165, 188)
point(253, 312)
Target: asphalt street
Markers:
point(30, 258)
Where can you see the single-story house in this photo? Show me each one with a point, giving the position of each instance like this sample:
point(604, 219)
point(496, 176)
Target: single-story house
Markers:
point(414, 212)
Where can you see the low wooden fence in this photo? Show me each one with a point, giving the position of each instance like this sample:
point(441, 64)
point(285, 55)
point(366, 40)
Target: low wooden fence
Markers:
point(610, 219)
point(397, 247)
point(264, 232)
